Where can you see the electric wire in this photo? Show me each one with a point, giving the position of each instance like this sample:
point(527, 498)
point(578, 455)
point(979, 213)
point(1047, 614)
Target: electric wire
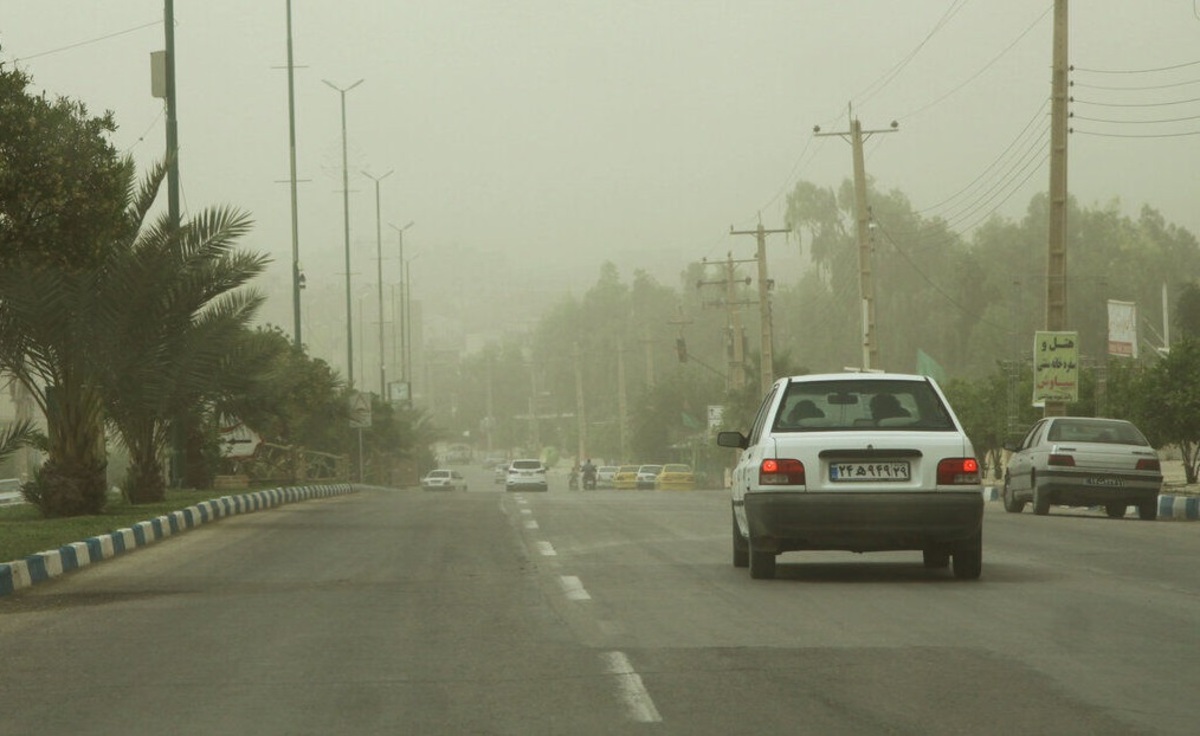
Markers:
point(983, 68)
point(89, 41)
point(1029, 125)
point(1136, 71)
point(882, 82)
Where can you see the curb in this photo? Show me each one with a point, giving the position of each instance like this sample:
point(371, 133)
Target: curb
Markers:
point(1170, 507)
point(43, 566)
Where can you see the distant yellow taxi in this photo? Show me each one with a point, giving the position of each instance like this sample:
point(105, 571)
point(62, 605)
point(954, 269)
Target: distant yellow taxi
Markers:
point(676, 477)
point(626, 478)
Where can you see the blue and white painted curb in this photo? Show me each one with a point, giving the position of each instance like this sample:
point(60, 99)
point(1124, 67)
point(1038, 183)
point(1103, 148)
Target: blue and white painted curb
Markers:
point(43, 566)
point(1171, 507)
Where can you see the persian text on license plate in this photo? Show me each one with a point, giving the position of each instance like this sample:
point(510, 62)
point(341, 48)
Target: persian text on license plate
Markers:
point(884, 471)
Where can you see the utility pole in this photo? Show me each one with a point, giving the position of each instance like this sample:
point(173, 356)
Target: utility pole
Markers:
point(346, 220)
point(379, 278)
point(1056, 264)
point(297, 274)
point(648, 343)
point(862, 213)
point(402, 368)
point(737, 358)
point(176, 467)
point(622, 404)
point(764, 302)
point(579, 405)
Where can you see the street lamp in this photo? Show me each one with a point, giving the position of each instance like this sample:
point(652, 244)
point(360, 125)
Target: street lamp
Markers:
point(408, 366)
point(379, 278)
point(346, 216)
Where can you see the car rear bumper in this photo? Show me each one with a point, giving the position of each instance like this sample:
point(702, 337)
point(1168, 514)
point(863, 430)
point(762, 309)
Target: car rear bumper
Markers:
point(862, 522)
point(1069, 488)
point(527, 487)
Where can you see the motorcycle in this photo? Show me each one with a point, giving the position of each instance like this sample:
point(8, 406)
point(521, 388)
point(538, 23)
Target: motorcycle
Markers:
point(589, 479)
point(573, 481)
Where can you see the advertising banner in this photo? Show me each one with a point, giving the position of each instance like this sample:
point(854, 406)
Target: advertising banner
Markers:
point(1122, 328)
point(1055, 366)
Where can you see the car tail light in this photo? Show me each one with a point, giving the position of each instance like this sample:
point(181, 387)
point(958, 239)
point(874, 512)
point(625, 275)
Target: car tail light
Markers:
point(1148, 464)
point(956, 471)
point(1060, 459)
point(781, 472)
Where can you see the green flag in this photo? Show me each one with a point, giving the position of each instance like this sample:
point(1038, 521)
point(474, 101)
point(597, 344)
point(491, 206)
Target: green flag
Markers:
point(927, 366)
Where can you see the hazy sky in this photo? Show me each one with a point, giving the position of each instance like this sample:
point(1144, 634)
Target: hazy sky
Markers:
point(547, 136)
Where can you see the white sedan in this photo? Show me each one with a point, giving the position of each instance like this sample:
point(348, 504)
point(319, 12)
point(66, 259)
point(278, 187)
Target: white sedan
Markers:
point(444, 479)
point(1083, 461)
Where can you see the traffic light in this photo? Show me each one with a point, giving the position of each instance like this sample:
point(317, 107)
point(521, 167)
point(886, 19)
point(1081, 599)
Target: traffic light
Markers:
point(681, 349)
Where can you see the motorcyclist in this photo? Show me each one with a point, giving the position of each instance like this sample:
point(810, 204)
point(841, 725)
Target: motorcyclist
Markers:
point(573, 478)
point(589, 475)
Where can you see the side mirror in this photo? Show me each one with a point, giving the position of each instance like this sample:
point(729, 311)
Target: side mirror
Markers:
point(732, 439)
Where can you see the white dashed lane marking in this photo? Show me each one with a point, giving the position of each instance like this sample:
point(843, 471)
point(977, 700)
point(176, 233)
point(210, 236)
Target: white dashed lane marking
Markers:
point(573, 588)
point(639, 706)
point(546, 549)
point(531, 524)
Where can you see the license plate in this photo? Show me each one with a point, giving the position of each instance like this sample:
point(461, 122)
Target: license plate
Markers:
point(885, 471)
point(1104, 481)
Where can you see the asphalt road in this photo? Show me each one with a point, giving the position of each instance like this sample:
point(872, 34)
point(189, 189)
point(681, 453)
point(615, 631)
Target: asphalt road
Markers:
point(389, 612)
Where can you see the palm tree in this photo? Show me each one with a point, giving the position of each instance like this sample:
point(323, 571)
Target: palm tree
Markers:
point(49, 338)
point(176, 327)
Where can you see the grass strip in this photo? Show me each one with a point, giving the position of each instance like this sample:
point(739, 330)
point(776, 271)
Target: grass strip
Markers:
point(23, 530)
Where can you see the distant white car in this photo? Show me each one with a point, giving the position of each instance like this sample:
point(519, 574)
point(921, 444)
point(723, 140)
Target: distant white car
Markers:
point(444, 479)
point(526, 475)
point(605, 474)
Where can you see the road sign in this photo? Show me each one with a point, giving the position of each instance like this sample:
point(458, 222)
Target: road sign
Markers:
point(360, 410)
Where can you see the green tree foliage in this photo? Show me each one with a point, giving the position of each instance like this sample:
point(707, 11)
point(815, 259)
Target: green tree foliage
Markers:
point(1170, 401)
point(62, 195)
point(1187, 311)
point(62, 185)
point(175, 312)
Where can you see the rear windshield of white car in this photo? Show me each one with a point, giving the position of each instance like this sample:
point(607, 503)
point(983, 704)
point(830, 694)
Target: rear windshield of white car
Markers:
point(526, 465)
point(1108, 431)
point(823, 406)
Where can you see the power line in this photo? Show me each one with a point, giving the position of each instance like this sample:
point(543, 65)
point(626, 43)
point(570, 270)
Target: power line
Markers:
point(984, 68)
point(1136, 71)
point(882, 82)
point(89, 41)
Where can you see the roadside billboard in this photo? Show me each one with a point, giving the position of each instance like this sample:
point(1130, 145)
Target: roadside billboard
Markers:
point(1055, 366)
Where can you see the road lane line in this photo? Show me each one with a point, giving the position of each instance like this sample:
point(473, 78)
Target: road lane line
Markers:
point(526, 511)
point(573, 587)
point(531, 524)
point(546, 549)
point(638, 704)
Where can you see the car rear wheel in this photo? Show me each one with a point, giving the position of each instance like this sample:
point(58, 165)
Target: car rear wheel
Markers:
point(1011, 504)
point(741, 548)
point(1148, 509)
point(1115, 510)
point(936, 559)
point(968, 559)
point(1041, 501)
point(762, 562)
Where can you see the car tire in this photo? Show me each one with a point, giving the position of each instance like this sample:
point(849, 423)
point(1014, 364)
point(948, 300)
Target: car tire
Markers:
point(936, 559)
point(968, 559)
point(761, 562)
point(1115, 510)
point(1148, 509)
point(1011, 504)
point(741, 548)
point(1041, 501)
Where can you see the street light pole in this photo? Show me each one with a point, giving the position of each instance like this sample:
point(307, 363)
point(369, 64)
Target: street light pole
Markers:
point(379, 278)
point(403, 307)
point(346, 216)
point(297, 275)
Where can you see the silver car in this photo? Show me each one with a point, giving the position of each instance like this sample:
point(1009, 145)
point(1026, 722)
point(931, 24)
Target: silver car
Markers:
point(1083, 461)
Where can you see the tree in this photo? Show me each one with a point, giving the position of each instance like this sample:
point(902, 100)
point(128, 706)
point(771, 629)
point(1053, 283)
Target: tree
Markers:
point(62, 193)
point(1171, 402)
